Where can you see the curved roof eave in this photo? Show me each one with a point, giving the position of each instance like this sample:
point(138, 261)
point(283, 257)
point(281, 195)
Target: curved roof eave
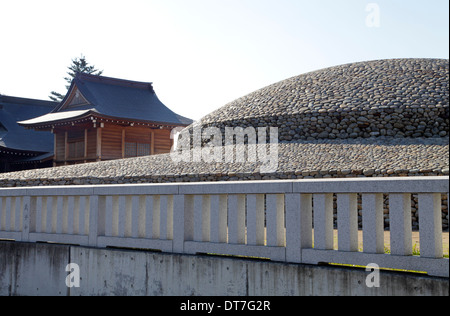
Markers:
point(53, 118)
point(65, 117)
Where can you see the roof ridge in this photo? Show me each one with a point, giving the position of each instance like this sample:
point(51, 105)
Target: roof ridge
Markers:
point(114, 81)
point(27, 101)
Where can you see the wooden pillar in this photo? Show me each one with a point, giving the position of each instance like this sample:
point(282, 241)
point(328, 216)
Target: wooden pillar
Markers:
point(152, 144)
point(66, 148)
point(54, 148)
point(99, 144)
point(123, 142)
point(85, 144)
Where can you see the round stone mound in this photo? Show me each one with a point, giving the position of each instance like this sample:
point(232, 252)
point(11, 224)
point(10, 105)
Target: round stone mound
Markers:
point(394, 98)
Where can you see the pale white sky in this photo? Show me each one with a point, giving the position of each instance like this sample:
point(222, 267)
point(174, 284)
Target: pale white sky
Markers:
point(202, 54)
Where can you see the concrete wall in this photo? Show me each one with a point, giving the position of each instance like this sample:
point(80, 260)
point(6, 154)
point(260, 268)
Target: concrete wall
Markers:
point(40, 269)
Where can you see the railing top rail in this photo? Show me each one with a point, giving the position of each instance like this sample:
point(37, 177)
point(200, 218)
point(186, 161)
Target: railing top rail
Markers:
point(238, 187)
point(437, 184)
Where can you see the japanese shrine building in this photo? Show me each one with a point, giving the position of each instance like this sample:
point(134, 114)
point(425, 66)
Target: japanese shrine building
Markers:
point(104, 118)
point(21, 148)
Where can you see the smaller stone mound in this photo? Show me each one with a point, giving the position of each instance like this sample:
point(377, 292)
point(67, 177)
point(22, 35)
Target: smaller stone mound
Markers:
point(296, 160)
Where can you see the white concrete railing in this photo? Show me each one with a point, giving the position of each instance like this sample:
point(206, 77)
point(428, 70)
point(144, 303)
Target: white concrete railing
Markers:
point(266, 219)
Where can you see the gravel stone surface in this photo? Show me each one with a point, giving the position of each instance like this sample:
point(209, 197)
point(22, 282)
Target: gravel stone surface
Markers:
point(318, 159)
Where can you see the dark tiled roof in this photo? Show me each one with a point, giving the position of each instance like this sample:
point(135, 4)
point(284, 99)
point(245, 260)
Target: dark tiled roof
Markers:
point(123, 99)
point(13, 136)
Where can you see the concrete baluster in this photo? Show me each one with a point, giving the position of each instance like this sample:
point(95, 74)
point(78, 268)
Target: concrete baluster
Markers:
point(183, 222)
point(347, 222)
point(236, 219)
point(323, 221)
point(218, 225)
point(373, 223)
point(201, 217)
point(122, 216)
point(298, 225)
point(2, 212)
point(59, 215)
point(400, 224)
point(255, 219)
point(109, 216)
point(430, 225)
point(96, 215)
point(149, 218)
point(80, 224)
point(73, 213)
point(135, 216)
point(26, 217)
point(166, 217)
point(8, 214)
point(275, 220)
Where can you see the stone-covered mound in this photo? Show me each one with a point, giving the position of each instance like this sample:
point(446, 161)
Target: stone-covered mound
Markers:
point(377, 118)
point(395, 97)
